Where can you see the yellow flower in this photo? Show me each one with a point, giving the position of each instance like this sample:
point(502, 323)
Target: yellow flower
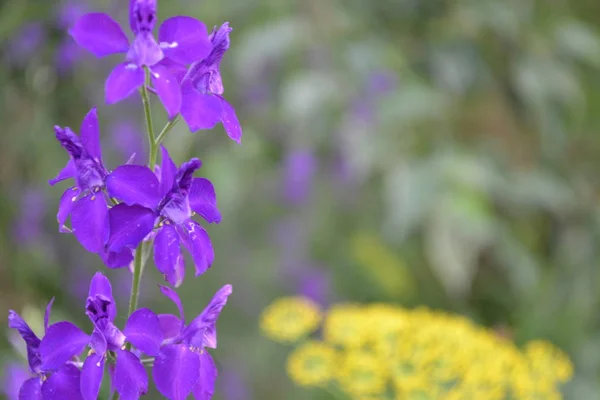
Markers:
point(290, 318)
point(312, 364)
point(346, 325)
point(362, 373)
point(547, 360)
point(428, 354)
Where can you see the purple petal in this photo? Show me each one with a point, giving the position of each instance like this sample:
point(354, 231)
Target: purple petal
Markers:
point(143, 331)
point(167, 89)
point(63, 384)
point(31, 340)
point(91, 376)
point(65, 206)
point(131, 380)
point(167, 252)
point(174, 297)
point(89, 220)
point(168, 169)
point(134, 184)
point(205, 388)
point(200, 111)
point(100, 287)
point(47, 314)
point(230, 122)
point(122, 82)
point(198, 243)
point(170, 325)
point(98, 342)
point(14, 377)
point(99, 34)
point(31, 389)
point(176, 69)
point(177, 274)
point(62, 341)
point(184, 39)
point(203, 200)
point(202, 332)
point(90, 134)
point(118, 259)
point(176, 371)
point(67, 172)
point(129, 225)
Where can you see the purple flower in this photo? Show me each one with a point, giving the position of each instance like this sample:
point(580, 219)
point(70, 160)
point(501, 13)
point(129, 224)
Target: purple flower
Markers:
point(203, 105)
point(184, 365)
point(14, 377)
point(300, 170)
point(49, 359)
point(181, 39)
point(127, 139)
point(29, 224)
point(168, 202)
point(85, 202)
point(25, 43)
point(142, 329)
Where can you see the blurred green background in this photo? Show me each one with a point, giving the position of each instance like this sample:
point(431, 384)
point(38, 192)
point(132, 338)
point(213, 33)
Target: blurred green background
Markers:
point(457, 138)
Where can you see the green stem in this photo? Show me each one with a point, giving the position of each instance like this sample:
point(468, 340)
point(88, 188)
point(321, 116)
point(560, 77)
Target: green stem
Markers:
point(138, 268)
point(148, 115)
point(166, 129)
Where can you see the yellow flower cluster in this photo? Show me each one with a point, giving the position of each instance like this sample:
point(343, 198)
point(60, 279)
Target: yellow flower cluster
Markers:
point(289, 319)
point(384, 352)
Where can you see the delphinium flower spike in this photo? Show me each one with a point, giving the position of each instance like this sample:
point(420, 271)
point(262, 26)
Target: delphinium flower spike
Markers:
point(142, 329)
point(50, 359)
point(180, 39)
point(169, 200)
point(184, 365)
point(86, 202)
point(203, 105)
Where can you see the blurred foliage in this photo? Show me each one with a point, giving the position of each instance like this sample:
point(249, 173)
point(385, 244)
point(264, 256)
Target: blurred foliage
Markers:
point(452, 141)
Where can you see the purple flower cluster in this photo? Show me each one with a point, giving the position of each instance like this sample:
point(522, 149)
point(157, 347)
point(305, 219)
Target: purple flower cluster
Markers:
point(177, 351)
point(122, 214)
point(195, 92)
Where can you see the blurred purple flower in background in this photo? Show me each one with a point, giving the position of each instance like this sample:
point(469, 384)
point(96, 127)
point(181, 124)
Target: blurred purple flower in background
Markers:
point(300, 168)
point(127, 139)
point(233, 384)
point(25, 43)
point(14, 376)
point(68, 51)
point(29, 224)
point(378, 84)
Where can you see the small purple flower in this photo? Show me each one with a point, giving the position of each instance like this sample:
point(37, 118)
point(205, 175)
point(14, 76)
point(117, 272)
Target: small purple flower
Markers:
point(184, 365)
point(169, 203)
point(86, 202)
point(25, 43)
point(29, 224)
point(142, 329)
point(128, 140)
point(14, 377)
point(49, 359)
point(203, 105)
point(181, 39)
point(300, 169)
